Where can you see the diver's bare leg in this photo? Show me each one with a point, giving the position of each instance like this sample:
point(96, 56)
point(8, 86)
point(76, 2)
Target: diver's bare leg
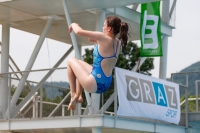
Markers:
point(79, 92)
point(76, 70)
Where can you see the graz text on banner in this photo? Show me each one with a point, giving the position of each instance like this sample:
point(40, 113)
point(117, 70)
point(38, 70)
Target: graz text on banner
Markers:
point(147, 97)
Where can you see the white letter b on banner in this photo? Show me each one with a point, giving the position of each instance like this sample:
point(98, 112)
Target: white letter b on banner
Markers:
point(150, 39)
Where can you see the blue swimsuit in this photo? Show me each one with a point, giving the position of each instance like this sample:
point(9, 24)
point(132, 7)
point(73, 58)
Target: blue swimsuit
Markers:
point(103, 81)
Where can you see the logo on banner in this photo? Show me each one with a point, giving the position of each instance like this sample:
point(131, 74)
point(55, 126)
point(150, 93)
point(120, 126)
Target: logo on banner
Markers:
point(147, 97)
point(150, 30)
point(150, 26)
point(150, 92)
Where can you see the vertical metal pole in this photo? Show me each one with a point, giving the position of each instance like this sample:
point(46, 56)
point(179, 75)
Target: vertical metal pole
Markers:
point(4, 68)
point(78, 105)
point(9, 96)
point(197, 96)
point(172, 8)
point(186, 102)
point(115, 95)
point(36, 106)
point(33, 108)
point(63, 110)
point(102, 102)
point(163, 59)
point(100, 18)
point(73, 37)
point(41, 101)
point(75, 46)
point(31, 62)
point(71, 113)
point(115, 99)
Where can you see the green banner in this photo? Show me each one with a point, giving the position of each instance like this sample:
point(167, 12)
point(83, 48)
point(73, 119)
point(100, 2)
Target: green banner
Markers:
point(150, 30)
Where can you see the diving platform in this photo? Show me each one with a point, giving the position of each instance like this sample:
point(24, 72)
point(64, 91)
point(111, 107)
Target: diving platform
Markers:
point(84, 124)
point(106, 123)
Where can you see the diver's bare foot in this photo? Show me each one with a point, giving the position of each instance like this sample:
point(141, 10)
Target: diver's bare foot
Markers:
point(72, 104)
point(80, 99)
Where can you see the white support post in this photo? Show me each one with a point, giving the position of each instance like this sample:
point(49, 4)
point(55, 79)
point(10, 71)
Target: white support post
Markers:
point(80, 49)
point(9, 96)
point(4, 69)
point(75, 46)
point(33, 108)
point(78, 105)
point(163, 59)
point(186, 103)
point(31, 62)
point(115, 95)
point(197, 95)
point(73, 37)
point(41, 101)
point(71, 113)
point(36, 106)
point(63, 110)
point(100, 18)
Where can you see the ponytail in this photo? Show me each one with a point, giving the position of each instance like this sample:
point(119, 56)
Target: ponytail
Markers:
point(119, 27)
point(124, 33)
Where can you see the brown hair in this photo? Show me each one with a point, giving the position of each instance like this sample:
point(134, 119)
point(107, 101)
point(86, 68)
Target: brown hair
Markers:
point(118, 27)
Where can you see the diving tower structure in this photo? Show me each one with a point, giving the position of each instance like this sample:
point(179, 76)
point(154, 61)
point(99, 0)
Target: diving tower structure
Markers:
point(51, 19)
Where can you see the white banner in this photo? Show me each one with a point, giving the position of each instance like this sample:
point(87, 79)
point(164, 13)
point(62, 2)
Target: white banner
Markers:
point(144, 96)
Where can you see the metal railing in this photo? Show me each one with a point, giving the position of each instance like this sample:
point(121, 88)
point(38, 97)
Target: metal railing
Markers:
point(186, 85)
point(37, 101)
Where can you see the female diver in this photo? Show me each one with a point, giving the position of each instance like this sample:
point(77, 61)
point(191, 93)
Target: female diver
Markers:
point(96, 78)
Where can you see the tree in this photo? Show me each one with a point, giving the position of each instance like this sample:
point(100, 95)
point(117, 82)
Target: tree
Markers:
point(127, 59)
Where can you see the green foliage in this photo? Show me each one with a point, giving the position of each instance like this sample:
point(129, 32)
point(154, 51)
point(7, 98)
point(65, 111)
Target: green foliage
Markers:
point(24, 92)
point(191, 104)
point(192, 67)
point(88, 57)
point(127, 59)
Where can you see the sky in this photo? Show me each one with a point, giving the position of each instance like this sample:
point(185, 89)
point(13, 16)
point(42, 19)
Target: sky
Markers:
point(183, 45)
